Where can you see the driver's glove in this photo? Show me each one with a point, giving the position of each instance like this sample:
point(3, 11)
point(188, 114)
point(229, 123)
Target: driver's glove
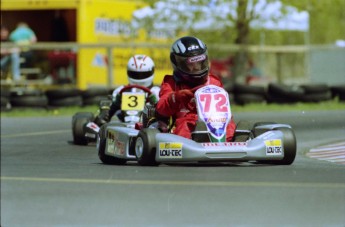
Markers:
point(181, 97)
point(117, 100)
point(103, 116)
point(153, 99)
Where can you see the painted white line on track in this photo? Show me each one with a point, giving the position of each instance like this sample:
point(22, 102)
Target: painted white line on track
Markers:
point(334, 153)
point(341, 148)
point(34, 133)
point(182, 183)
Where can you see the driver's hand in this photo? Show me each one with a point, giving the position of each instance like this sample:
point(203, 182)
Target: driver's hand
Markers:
point(153, 99)
point(183, 96)
point(117, 100)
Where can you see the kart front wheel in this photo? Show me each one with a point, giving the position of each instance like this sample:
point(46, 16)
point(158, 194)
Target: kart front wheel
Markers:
point(78, 127)
point(145, 147)
point(101, 145)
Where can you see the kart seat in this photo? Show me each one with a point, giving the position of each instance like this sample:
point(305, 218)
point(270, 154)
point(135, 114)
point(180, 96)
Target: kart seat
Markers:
point(200, 133)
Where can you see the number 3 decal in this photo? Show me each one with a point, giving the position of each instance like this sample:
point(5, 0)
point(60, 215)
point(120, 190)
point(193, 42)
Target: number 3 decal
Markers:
point(134, 101)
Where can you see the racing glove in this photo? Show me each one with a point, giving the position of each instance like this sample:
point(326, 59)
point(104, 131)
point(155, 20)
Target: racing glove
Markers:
point(153, 99)
point(117, 100)
point(183, 96)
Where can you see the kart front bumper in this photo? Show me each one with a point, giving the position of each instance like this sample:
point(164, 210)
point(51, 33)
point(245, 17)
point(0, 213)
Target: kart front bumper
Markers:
point(173, 148)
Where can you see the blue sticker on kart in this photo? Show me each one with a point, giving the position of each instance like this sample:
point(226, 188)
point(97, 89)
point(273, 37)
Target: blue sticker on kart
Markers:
point(170, 150)
point(214, 109)
point(273, 147)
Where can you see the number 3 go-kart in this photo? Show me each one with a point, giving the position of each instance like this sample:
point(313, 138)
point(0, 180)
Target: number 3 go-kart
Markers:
point(263, 142)
point(85, 125)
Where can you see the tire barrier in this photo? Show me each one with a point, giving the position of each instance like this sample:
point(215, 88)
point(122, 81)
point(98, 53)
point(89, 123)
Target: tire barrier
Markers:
point(93, 96)
point(33, 98)
point(245, 94)
point(338, 92)
point(240, 94)
point(64, 97)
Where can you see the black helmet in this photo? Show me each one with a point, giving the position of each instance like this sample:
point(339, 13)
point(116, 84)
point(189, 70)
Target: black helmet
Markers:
point(189, 58)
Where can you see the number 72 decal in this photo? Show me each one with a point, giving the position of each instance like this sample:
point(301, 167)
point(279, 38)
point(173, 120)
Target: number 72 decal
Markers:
point(218, 100)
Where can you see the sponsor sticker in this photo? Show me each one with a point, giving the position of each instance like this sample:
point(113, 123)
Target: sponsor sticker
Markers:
point(115, 146)
point(170, 150)
point(273, 147)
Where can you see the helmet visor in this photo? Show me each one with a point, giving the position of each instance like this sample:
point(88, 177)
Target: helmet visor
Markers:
point(139, 75)
point(192, 65)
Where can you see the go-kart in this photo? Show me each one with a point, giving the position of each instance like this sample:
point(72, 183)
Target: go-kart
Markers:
point(264, 142)
point(85, 125)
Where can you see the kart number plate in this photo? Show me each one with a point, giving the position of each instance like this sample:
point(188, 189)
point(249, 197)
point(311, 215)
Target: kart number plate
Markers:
point(132, 101)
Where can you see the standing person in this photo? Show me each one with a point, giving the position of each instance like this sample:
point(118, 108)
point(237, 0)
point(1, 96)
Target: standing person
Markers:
point(23, 35)
point(189, 59)
point(140, 71)
point(8, 56)
point(5, 53)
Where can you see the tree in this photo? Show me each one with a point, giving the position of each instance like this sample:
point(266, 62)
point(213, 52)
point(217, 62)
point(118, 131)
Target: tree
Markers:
point(235, 16)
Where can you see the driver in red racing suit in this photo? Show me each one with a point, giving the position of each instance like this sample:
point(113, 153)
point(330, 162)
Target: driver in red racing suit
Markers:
point(189, 59)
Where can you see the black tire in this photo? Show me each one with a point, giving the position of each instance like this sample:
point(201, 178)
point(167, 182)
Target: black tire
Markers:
point(106, 159)
point(249, 89)
point(338, 91)
point(20, 92)
point(79, 121)
point(317, 97)
point(92, 92)
point(315, 88)
point(29, 101)
point(244, 99)
point(68, 101)
point(145, 147)
point(62, 93)
point(285, 93)
point(93, 100)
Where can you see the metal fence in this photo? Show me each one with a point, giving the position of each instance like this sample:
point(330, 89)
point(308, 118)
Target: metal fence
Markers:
point(283, 64)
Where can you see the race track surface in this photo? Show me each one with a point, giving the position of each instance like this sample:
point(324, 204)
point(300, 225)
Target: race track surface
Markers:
point(46, 180)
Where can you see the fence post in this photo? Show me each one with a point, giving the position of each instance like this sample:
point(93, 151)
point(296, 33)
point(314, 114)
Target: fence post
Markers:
point(279, 67)
point(110, 66)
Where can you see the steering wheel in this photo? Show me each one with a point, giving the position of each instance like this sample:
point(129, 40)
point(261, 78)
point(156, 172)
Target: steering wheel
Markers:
point(145, 89)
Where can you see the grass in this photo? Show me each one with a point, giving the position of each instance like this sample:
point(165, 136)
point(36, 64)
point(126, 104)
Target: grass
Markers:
point(255, 107)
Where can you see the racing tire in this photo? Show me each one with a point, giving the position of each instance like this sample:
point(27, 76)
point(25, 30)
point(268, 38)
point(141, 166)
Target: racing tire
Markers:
point(79, 121)
point(106, 159)
point(289, 140)
point(145, 147)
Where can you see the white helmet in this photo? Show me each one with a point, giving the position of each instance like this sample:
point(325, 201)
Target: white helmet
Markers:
point(140, 70)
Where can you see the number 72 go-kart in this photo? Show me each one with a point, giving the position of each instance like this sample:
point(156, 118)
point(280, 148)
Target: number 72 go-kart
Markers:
point(264, 142)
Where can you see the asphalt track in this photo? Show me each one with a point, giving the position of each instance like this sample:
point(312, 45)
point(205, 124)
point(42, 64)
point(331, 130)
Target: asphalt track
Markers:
point(48, 181)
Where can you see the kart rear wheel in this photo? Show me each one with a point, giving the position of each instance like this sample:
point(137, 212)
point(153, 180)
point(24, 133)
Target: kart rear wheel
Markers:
point(145, 147)
point(78, 127)
point(106, 159)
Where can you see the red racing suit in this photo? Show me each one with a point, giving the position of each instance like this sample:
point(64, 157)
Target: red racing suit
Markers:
point(185, 118)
